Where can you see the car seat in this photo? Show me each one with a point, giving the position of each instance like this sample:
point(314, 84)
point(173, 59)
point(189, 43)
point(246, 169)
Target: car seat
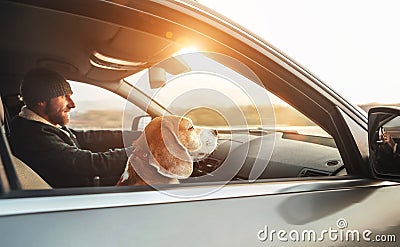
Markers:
point(19, 174)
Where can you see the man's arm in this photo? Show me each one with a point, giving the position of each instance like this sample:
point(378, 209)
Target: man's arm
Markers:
point(103, 140)
point(396, 148)
point(53, 155)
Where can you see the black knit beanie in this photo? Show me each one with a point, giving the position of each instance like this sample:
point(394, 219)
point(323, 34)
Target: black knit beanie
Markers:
point(41, 84)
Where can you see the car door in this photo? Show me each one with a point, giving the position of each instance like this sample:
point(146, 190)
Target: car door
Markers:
point(342, 207)
point(328, 212)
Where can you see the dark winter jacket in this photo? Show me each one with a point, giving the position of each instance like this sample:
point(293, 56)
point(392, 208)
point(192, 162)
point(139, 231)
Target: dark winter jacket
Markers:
point(68, 158)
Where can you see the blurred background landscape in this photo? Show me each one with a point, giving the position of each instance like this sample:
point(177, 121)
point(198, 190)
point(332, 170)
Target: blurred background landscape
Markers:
point(109, 115)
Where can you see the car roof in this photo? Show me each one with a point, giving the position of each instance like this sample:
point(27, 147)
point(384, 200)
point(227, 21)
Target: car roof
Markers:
point(76, 44)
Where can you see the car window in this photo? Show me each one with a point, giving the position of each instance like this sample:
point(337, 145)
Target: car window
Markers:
point(98, 108)
point(257, 129)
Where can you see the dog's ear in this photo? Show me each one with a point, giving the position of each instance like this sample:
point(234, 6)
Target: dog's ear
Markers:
point(172, 157)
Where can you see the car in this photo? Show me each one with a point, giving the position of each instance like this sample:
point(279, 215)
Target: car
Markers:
point(295, 161)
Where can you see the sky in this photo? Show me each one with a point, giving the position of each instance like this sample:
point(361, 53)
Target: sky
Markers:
point(353, 45)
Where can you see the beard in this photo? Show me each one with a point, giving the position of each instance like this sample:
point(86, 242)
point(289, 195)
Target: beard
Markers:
point(57, 115)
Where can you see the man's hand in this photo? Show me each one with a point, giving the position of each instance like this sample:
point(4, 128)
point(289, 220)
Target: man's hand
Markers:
point(387, 138)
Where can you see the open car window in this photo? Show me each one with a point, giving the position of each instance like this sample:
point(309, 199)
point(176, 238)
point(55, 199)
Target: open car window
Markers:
point(274, 140)
point(260, 136)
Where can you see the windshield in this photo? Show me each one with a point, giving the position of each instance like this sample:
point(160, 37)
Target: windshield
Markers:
point(208, 92)
point(209, 89)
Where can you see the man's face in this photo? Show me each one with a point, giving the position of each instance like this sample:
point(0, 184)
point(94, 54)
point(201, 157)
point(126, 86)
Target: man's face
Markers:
point(57, 109)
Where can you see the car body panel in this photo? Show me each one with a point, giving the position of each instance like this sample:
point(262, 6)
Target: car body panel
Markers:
point(153, 219)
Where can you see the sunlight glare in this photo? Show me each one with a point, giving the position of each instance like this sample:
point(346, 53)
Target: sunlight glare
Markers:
point(189, 49)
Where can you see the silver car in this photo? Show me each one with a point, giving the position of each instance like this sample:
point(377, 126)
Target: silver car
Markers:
point(296, 163)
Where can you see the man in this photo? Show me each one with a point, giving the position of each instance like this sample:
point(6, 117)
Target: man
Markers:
point(393, 145)
point(62, 157)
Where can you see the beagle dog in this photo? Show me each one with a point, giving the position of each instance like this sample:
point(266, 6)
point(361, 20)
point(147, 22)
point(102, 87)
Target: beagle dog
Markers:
point(165, 151)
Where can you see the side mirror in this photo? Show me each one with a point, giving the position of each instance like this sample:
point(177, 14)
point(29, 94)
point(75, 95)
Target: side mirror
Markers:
point(384, 155)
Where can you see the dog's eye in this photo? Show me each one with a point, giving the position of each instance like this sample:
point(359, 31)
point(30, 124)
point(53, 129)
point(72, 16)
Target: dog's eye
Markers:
point(191, 128)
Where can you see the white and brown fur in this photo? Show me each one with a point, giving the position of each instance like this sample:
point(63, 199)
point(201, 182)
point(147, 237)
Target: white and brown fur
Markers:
point(165, 152)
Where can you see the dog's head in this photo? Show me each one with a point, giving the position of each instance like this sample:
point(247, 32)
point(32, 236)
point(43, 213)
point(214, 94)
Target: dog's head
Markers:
point(174, 143)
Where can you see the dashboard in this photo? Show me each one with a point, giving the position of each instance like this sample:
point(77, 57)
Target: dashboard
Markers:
point(245, 155)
